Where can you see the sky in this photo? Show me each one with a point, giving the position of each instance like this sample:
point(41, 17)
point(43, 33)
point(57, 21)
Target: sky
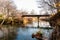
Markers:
point(27, 5)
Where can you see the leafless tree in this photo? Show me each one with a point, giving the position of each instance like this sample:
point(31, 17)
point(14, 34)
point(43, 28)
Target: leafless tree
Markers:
point(8, 8)
point(47, 5)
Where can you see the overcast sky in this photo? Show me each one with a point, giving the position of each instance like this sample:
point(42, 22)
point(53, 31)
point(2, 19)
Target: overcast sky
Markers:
point(27, 5)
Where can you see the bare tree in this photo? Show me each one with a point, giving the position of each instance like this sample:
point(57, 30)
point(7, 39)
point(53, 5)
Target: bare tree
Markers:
point(47, 5)
point(8, 8)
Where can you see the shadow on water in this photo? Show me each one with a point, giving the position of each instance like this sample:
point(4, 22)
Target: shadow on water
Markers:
point(7, 32)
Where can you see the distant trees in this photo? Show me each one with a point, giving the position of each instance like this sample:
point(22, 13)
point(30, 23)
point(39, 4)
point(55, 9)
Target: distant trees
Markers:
point(8, 9)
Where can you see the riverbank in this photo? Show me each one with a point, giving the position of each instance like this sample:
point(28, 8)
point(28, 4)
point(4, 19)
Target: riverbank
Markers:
point(11, 20)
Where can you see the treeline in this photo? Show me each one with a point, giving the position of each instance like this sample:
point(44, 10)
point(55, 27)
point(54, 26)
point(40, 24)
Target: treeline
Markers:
point(9, 14)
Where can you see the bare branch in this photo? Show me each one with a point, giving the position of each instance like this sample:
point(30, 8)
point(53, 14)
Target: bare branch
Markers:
point(50, 5)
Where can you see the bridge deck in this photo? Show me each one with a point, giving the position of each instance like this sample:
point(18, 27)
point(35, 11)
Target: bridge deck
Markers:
point(35, 15)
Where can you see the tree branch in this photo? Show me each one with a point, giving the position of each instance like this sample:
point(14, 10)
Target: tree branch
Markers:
point(50, 5)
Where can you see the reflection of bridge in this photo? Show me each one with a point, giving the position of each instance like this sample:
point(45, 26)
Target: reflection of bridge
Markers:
point(38, 16)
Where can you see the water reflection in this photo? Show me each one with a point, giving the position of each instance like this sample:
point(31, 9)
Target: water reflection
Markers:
point(26, 33)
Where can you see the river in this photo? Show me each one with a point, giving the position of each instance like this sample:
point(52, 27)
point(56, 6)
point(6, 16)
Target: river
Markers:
point(26, 33)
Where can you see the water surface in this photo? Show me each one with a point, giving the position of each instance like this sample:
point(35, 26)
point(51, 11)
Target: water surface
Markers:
point(26, 33)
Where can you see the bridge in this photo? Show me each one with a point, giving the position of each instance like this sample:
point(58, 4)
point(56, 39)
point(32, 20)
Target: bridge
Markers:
point(38, 16)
